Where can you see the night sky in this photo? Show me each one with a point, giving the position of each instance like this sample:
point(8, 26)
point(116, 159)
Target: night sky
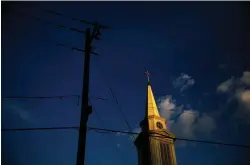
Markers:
point(198, 55)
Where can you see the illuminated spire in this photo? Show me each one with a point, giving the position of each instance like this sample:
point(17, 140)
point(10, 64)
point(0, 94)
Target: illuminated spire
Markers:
point(151, 107)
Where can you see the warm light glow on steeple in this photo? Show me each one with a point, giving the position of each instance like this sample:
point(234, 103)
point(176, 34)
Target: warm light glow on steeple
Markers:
point(151, 107)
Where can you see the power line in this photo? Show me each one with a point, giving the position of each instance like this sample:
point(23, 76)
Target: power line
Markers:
point(121, 111)
point(164, 136)
point(38, 129)
point(102, 122)
point(127, 132)
point(19, 13)
point(65, 46)
point(99, 98)
point(41, 97)
point(124, 116)
point(75, 19)
point(78, 49)
point(23, 14)
point(114, 131)
point(61, 97)
point(204, 141)
point(50, 97)
point(74, 48)
point(85, 109)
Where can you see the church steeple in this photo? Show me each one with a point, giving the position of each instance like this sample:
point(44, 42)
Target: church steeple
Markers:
point(155, 143)
point(151, 107)
point(151, 112)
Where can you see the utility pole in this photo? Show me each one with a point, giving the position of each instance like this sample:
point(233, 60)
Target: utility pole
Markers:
point(86, 110)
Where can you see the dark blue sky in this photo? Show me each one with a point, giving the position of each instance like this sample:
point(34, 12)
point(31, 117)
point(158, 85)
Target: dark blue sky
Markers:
point(206, 41)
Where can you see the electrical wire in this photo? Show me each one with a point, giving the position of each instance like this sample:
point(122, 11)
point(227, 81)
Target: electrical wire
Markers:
point(40, 97)
point(75, 19)
point(74, 48)
point(24, 14)
point(50, 97)
point(103, 130)
point(102, 122)
point(120, 109)
point(38, 129)
point(183, 139)
point(61, 97)
point(64, 45)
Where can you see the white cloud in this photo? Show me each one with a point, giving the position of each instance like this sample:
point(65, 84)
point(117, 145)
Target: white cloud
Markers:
point(191, 123)
point(184, 81)
point(245, 78)
point(226, 86)
point(166, 106)
point(243, 111)
point(185, 123)
point(206, 124)
point(187, 85)
point(185, 76)
point(239, 91)
point(244, 98)
point(235, 84)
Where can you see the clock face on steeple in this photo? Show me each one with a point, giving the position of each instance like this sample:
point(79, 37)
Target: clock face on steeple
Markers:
point(159, 125)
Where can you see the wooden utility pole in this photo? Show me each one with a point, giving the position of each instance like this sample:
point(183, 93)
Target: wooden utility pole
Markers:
point(86, 110)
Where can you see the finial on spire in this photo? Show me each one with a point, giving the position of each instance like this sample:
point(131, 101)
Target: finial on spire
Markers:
point(148, 74)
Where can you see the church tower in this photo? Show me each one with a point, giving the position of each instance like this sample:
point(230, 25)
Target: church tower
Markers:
point(155, 143)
